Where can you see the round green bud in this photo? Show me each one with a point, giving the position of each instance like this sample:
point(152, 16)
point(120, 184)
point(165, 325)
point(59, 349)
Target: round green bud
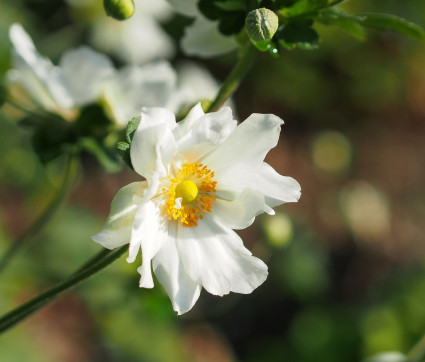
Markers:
point(119, 9)
point(261, 24)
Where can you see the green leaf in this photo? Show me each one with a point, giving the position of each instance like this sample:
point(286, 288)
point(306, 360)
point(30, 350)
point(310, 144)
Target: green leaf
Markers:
point(232, 5)
point(131, 128)
point(298, 35)
point(304, 7)
point(346, 22)
point(209, 9)
point(394, 23)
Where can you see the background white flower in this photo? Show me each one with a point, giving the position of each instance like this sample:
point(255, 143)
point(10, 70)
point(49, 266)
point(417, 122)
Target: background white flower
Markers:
point(139, 39)
point(77, 81)
point(157, 84)
point(204, 177)
point(202, 38)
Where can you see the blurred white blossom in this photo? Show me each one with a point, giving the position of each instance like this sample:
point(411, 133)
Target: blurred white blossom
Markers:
point(76, 81)
point(202, 38)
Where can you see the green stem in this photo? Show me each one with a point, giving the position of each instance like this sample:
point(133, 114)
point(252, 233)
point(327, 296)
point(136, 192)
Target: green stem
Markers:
point(417, 353)
point(25, 110)
point(46, 216)
point(28, 308)
point(235, 77)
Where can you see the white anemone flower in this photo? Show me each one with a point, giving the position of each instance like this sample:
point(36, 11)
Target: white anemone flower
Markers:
point(202, 38)
point(77, 81)
point(204, 177)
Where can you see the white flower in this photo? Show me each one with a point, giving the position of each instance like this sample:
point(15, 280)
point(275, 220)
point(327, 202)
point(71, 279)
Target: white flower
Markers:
point(60, 89)
point(204, 177)
point(138, 39)
point(202, 38)
point(156, 85)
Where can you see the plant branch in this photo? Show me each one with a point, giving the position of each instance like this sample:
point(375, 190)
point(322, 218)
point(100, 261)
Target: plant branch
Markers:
point(99, 262)
point(46, 216)
point(417, 353)
point(235, 77)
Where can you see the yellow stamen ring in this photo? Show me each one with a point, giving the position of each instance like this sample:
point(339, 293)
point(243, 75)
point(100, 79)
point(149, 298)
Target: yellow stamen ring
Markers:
point(190, 194)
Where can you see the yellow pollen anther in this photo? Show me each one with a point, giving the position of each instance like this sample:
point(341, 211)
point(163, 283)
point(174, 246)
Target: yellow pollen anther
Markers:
point(190, 194)
point(187, 190)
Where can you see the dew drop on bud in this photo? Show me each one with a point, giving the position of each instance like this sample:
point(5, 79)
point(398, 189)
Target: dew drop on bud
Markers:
point(119, 9)
point(261, 24)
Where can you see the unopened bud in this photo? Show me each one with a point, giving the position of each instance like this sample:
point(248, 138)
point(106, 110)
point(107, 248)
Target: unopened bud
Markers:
point(261, 24)
point(119, 9)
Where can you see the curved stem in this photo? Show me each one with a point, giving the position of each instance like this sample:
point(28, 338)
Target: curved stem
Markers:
point(417, 353)
point(100, 261)
point(23, 109)
point(46, 216)
point(235, 77)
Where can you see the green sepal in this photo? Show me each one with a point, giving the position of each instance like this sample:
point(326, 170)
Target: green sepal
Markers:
point(131, 128)
point(266, 46)
point(124, 152)
point(124, 146)
point(298, 34)
point(394, 23)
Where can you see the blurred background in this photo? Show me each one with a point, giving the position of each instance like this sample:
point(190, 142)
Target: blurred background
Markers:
point(346, 263)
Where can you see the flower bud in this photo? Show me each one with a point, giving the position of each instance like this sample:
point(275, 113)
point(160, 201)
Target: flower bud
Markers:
point(261, 24)
point(119, 9)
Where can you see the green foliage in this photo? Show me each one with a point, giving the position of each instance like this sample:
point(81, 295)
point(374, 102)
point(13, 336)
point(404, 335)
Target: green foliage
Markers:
point(394, 23)
point(351, 24)
point(91, 132)
point(298, 34)
point(124, 147)
point(297, 18)
point(3, 94)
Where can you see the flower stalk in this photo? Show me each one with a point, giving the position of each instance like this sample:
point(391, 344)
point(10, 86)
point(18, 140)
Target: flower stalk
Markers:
point(47, 215)
point(100, 261)
point(235, 77)
point(417, 352)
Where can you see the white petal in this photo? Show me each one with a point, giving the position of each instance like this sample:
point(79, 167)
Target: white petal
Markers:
point(277, 189)
point(203, 39)
point(38, 73)
point(85, 71)
point(149, 233)
point(198, 133)
point(117, 229)
point(153, 144)
point(240, 212)
point(195, 84)
point(182, 290)
point(248, 144)
point(135, 87)
point(216, 257)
